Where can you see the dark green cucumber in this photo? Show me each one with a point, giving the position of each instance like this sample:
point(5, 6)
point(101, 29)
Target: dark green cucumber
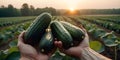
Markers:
point(47, 42)
point(76, 33)
point(37, 29)
point(61, 34)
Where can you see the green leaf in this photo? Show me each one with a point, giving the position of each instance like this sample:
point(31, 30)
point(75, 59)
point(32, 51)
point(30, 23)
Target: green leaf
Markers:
point(13, 56)
point(10, 50)
point(97, 46)
point(17, 33)
point(13, 49)
point(2, 55)
point(13, 43)
point(109, 39)
point(98, 33)
point(119, 46)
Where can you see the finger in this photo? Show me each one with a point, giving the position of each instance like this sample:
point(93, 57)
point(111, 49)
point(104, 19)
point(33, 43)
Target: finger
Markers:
point(86, 36)
point(85, 42)
point(56, 43)
point(21, 36)
point(20, 39)
point(71, 51)
point(83, 29)
point(80, 26)
point(60, 44)
point(85, 32)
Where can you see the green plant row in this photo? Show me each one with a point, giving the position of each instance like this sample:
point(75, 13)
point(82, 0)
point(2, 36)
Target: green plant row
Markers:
point(115, 19)
point(109, 25)
point(11, 32)
point(14, 20)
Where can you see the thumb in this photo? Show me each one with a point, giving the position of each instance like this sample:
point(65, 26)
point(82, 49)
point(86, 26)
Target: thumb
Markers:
point(21, 38)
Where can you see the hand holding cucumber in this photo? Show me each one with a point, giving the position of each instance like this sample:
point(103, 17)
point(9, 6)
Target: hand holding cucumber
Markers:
point(75, 51)
point(29, 52)
point(82, 51)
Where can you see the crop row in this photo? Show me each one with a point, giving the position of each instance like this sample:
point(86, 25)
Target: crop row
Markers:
point(110, 20)
point(14, 20)
point(114, 19)
point(109, 25)
point(11, 32)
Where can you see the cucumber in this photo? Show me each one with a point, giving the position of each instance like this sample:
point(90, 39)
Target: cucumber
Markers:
point(61, 34)
point(76, 33)
point(37, 29)
point(47, 42)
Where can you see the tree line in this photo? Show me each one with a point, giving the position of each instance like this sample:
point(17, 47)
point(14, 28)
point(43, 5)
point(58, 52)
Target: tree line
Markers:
point(91, 12)
point(29, 10)
point(100, 11)
point(25, 10)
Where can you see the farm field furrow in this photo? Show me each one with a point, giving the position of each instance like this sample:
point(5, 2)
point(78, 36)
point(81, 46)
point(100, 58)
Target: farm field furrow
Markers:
point(114, 19)
point(8, 21)
point(105, 24)
point(108, 30)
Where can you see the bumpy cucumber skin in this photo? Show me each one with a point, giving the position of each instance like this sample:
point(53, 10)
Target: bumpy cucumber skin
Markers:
point(46, 43)
point(37, 29)
point(76, 33)
point(61, 34)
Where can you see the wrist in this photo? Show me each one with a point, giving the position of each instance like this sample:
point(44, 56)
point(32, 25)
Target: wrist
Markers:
point(34, 58)
point(26, 58)
point(82, 51)
point(88, 53)
point(42, 57)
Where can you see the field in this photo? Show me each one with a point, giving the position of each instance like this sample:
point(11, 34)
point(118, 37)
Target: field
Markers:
point(104, 34)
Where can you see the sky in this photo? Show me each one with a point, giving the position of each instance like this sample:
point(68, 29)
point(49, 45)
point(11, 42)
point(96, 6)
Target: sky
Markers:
point(65, 4)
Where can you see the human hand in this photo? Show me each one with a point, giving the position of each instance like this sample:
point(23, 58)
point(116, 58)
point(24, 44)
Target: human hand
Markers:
point(28, 52)
point(75, 51)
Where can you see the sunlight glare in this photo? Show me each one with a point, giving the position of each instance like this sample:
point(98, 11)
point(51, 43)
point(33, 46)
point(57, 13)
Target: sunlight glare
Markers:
point(72, 9)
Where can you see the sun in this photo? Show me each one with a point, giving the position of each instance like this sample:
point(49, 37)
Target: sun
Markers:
point(71, 9)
